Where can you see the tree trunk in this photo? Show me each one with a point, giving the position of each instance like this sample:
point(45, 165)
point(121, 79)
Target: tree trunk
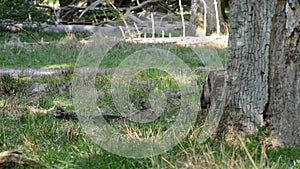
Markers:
point(263, 67)
point(197, 17)
point(205, 17)
point(284, 73)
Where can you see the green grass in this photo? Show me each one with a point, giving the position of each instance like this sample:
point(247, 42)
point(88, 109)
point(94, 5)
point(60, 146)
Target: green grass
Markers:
point(25, 35)
point(27, 122)
point(64, 50)
point(64, 144)
point(61, 52)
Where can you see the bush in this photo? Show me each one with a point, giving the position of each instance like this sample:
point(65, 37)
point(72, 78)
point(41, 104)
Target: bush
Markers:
point(19, 10)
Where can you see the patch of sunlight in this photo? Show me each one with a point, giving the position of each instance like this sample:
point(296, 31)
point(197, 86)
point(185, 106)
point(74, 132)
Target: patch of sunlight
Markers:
point(64, 65)
point(64, 103)
point(185, 79)
point(2, 102)
point(53, 3)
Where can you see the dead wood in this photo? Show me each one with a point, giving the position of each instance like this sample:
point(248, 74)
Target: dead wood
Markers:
point(91, 7)
point(62, 28)
point(133, 17)
point(34, 72)
point(62, 113)
point(213, 91)
point(214, 99)
point(10, 159)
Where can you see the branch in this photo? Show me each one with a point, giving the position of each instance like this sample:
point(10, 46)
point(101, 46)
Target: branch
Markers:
point(62, 8)
point(92, 6)
point(217, 17)
point(205, 16)
point(182, 19)
point(134, 18)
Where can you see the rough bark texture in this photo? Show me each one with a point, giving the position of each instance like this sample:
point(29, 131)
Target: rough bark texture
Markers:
point(263, 66)
point(213, 90)
point(198, 9)
point(283, 111)
point(213, 98)
point(247, 63)
point(197, 16)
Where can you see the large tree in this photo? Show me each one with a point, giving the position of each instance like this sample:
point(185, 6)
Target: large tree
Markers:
point(263, 67)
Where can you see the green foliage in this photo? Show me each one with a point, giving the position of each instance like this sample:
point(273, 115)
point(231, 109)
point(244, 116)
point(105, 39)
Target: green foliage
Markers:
point(19, 10)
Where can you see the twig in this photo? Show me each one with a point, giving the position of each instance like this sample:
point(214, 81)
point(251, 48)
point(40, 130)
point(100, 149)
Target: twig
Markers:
point(123, 33)
point(182, 18)
point(217, 17)
point(122, 17)
point(205, 16)
point(137, 30)
point(55, 11)
point(153, 25)
point(62, 8)
point(247, 152)
point(31, 35)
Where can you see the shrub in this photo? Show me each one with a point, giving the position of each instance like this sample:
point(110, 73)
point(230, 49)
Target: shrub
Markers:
point(20, 10)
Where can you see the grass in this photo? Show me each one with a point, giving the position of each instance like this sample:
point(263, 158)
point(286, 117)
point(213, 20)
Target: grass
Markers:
point(64, 49)
point(27, 123)
point(61, 52)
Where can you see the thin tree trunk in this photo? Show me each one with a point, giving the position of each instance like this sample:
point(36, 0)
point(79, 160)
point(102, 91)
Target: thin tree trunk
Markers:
point(207, 15)
point(198, 17)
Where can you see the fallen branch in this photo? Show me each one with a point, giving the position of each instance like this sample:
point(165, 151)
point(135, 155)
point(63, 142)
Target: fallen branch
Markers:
point(34, 72)
point(62, 8)
point(91, 7)
point(105, 28)
point(62, 113)
point(134, 18)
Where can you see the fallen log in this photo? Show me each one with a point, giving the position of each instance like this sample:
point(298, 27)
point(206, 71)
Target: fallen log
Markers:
point(34, 72)
point(105, 28)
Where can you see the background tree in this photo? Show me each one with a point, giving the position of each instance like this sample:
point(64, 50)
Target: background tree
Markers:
point(205, 14)
point(263, 66)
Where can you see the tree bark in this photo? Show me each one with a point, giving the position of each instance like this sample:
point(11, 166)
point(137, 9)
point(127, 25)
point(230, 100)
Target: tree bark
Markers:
point(263, 67)
point(204, 16)
point(284, 73)
point(197, 17)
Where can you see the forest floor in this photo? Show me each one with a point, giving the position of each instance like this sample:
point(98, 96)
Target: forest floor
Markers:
point(28, 103)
